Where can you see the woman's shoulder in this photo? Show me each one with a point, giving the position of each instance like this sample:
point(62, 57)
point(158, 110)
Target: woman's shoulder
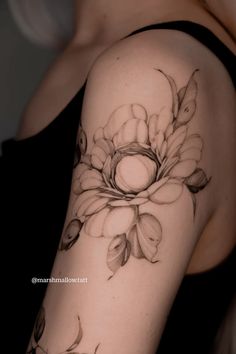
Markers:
point(153, 71)
point(165, 45)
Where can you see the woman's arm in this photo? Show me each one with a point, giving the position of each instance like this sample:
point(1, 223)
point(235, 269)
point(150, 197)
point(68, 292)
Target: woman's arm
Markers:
point(142, 193)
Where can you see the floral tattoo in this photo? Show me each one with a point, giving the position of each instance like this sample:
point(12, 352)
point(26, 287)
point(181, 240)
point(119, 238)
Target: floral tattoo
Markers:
point(39, 328)
point(136, 158)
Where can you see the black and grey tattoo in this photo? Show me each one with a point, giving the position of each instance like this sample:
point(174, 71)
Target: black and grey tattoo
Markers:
point(39, 328)
point(136, 158)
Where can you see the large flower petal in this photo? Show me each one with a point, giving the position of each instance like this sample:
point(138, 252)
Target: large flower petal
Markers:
point(81, 210)
point(110, 222)
point(121, 115)
point(191, 154)
point(118, 221)
point(167, 193)
point(191, 142)
point(183, 169)
point(98, 134)
point(163, 150)
point(94, 226)
point(79, 170)
point(169, 130)
point(155, 186)
point(84, 198)
point(142, 132)
point(152, 127)
point(176, 140)
point(106, 146)
point(91, 179)
point(133, 131)
point(138, 201)
point(98, 157)
point(167, 166)
point(159, 141)
point(96, 161)
point(96, 206)
point(119, 203)
point(165, 117)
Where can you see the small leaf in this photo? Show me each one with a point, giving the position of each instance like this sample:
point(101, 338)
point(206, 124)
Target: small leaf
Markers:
point(78, 338)
point(118, 252)
point(181, 94)
point(132, 237)
point(71, 235)
point(39, 325)
point(95, 351)
point(82, 140)
point(175, 99)
point(145, 237)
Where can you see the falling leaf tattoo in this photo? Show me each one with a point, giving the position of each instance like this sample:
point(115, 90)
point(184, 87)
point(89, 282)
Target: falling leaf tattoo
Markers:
point(136, 158)
point(70, 235)
point(39, 328)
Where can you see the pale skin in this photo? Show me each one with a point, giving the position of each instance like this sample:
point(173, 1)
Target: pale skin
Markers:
point(115, 308)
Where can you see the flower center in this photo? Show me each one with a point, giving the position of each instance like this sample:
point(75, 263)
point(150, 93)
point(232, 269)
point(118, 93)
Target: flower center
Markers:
point(135, 173)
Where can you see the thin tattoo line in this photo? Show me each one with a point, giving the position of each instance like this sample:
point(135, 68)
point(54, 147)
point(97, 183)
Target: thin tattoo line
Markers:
point(39, 329)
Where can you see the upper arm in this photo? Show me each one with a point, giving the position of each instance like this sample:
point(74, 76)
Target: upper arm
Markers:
point(139, 198)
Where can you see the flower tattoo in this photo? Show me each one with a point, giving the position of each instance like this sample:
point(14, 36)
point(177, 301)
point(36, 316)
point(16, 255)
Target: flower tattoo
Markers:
point(136, 158)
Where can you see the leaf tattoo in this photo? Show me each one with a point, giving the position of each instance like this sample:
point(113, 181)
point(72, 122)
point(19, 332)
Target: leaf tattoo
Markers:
point(118, 252)
point(71, 234)
point(39, 325)
point(137, 158)
point(78, 338)
point(38, 332)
